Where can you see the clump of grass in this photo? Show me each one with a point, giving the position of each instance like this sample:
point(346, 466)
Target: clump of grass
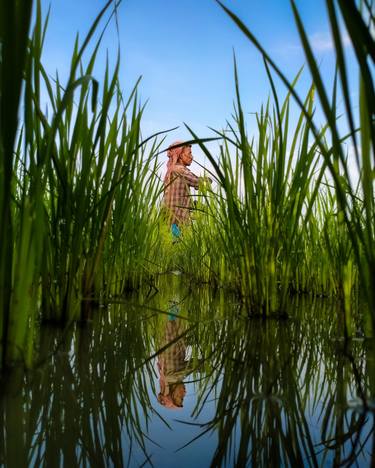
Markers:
point(288, 217)
point(267, 189)
point(78, 183)
point(355, 201)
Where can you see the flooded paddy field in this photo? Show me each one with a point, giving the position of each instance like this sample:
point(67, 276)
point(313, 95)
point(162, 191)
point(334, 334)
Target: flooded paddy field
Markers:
point(184, 378)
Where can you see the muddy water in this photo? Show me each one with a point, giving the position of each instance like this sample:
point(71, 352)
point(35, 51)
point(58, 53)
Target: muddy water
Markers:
point(182, 378)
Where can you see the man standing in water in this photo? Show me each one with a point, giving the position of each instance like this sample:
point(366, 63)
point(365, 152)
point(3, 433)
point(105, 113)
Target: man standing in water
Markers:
point(177, 183)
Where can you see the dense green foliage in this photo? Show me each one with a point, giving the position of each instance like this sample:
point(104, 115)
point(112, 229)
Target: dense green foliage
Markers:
point(288, 216)
point(80, 192)
point(284, 226)
point(76, 216)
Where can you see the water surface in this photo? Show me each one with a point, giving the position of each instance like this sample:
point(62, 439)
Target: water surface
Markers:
point(182, 377)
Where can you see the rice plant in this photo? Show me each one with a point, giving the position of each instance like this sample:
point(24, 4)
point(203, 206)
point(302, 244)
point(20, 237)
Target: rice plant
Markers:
point(287, 217)
point(79, 183)
point(80, 192)
point(355, 201)
point(268, 185)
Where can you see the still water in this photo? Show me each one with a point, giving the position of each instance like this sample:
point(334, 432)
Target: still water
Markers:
point(182, 378)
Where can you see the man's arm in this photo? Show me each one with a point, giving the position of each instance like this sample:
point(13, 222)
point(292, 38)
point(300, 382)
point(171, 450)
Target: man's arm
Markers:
point(191, 179)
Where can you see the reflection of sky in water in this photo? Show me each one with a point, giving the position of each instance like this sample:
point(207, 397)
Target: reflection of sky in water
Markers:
point(289, 382)
point(199, 453)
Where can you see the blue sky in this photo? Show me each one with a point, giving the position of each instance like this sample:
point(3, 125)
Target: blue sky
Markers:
point(184, 51)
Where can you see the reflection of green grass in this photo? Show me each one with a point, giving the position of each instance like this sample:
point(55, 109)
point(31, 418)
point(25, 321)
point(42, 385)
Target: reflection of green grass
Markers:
point(91, 401)
point(280, 389)
point(87, 404)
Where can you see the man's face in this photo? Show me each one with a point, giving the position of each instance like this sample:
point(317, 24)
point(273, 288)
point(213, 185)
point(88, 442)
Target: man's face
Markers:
point(186, 156)
point(179, 394)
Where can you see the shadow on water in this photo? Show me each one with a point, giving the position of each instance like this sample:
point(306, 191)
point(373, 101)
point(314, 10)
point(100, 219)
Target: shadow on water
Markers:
point(186, 379)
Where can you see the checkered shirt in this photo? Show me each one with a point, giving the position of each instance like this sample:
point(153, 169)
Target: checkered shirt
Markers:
point(172, 360)
point(177, 198)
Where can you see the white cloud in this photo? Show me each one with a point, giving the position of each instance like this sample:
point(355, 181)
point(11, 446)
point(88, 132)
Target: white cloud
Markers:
point(323, 41)
point(319, 42)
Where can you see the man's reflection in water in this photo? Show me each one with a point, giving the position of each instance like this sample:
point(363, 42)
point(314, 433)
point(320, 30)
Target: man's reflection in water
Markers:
point(173, 364)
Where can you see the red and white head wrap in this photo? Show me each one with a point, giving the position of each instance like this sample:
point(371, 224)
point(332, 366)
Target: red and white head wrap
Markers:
point(174, 156)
